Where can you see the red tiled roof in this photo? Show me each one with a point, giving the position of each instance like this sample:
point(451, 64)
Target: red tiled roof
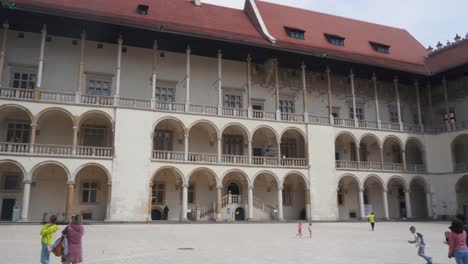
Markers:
point(405, 50)
point(448, 58)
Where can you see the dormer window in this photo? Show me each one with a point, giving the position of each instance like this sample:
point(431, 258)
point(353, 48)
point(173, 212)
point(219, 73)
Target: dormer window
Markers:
point(142, 10)
point(381, 48)
point(295, 33)
point(335, 40)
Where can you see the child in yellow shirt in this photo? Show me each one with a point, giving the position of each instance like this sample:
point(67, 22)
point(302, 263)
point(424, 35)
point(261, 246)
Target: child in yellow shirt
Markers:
point(47, 238)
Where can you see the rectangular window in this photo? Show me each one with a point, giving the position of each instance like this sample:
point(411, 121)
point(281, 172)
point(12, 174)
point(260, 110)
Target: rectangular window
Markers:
point(99, 86)
point(164, 94)
point(335, 40)
point(340, 197)
point(336, 112)
point(18, 132)
point(158, 193)
point(163, 140)
point(287, 195)
point(94, 136)
point(233, 145)
point(352, 148)
point(286, 106)
point(89, 192)
point(232, 101)
point(289, 148)
point(11, 182)
point(191, 194)
point(381, 48)
point(393, 117)
point(295, 33)
point(24, 79)
point(359, 113)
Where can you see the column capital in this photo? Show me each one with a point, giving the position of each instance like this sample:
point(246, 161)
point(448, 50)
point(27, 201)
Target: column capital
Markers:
point(27, 181)
point(251, 187)
point(185, 185)
point(374, 77)
point(76, 128)
point(188, 50)
point(155, 44)
point(416, 83)
point(407, 191)
point(44, 29)
point(219, 187)
point(33, 126)
point(303, 66)
point(385, 190)
point(395, 79)
point(109, 184)
point(120, 40)
point(5, 24)
point(249, 58)
point(83, 34)
point(220, 54)
point(327, 70)
point(280, 188)
point(351, 74)
point(70, 182)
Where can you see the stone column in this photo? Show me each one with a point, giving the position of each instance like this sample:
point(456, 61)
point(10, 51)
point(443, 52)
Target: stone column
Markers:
point(187, 80)
point(385, 204)
point(330, 106)
point(249, 86)
point(351, 79)
point(358, 155)
point(376, 95)
point(250, 203)
point(429, 204)
point(154, 75)
point(279, 153)
point(75, 139)
point(429, 95)
point(3, 49)
point(150, 201)
point(117, 74)
point(220, 82)
point(403, 156)
point(184, 202)
point(109, 197)
point(32, 138)
point(220, 151)
point(382, 158)
point(25, 201)
point(69, 204)
point(40, 67)
point(307, 205)
point(397, 94)
point(186, 145)
point(219, 215)
point(277, 99)
point(79, 88)
point(361, 203)
point(250, 151)
point(408, 204)
point(304, 93)
point(447, 109)
point(418, 103)
point(280, 204)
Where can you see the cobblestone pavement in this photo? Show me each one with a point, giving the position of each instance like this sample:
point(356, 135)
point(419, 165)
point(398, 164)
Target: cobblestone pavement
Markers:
point(347, 243)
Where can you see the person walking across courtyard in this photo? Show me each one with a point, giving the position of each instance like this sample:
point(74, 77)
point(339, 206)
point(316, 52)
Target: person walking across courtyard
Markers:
point(310, 230)
point(420, 244)
point(166, 212)
point(299, 230)
point(47, 238)
point(457, 243)
point(372, 220)
point(74, 233)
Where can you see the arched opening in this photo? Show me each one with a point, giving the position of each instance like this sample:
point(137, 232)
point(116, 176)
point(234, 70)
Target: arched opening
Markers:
point(156, 214)
point(460, 152)
point(396, 199)
point(15, 129)
point(461, 189)
point(168, 140)
point(55, 127)
point(91, 193)
point(239, 214)
point(346, 153)
point(95, 130)
point(392, 153)
point(373, 197)
point(11, 186)
point(202, 194)
point(264, 147)
point(235, 190)
point(369, 148)
point(166, 192)
point(235, 145)
point(294, 197)
point(203, 142)
point(418, 198)
point(48, 192)
point(265, 196)
point(414, 155)
point(348, 198)
point(293, 144)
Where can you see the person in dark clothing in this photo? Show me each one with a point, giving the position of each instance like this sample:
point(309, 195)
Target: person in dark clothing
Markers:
point(166, 212)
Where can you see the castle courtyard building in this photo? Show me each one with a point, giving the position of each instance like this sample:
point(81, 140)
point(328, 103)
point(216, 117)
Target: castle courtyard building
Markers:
point(128, 110)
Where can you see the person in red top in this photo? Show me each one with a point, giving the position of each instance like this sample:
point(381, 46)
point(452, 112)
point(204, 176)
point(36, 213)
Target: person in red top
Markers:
point(299, 230)
point(457, 243)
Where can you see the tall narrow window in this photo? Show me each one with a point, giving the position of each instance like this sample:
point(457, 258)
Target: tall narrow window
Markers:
point(18, 133)
point(289, 148)
point(396, 153)
point(11, 182)
point(163, 140)
point(191, 194)
point(89, 192)
point(287, 194)
point(353, 151)
point(233, 145)
point(393, 117)
point(158, 193)
point(359, 113)
point(23, 79)
point(363, 152)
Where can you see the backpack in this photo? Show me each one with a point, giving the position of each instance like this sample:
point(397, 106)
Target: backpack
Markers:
point(57, 248)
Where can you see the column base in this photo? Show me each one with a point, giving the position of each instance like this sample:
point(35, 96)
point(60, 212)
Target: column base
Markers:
point(379, 124)
point(332, 120)
point(278, 115)
point(306, 117)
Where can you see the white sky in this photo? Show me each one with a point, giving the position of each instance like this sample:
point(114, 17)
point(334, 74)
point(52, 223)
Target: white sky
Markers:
point(427, 20)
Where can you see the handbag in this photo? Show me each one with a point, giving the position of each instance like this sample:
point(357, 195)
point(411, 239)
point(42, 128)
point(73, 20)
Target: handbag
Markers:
point(57, 248)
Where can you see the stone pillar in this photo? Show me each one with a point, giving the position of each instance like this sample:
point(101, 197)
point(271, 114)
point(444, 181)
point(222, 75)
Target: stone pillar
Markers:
point(219, 215)
point(109, 197)
point(280, 204)
point(429, 204)
point(382, 157)
point(304, 93)
point(330, 106)
point(220, 82)
point(79, 88)
point(25, 201)
point(307, 205)
point(376, 95)
point(40, 67)
point(75, 139)
point(250, 203)
point(408, 204)
point(447, 109)
point(3, 49)
point(385, 204)
point(249, 86)
point(279, 153)
point(277, 99)
point(154, 75)
point(69, 204)
point(397, 94)
point(351, 80)
point(119, 65)
point(186, 145)
point(187, 81)
point(250, 151)
point(358, 155)
point(361, 203)
point(418, 103)
point(429, 95)
point(32, 138)
point(403, 156)
point(184, 202)
point(220, 151)
point(150, 201)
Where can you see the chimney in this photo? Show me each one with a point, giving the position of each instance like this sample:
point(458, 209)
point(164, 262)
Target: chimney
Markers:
point(439, 45)
point(430, 49)
point(197, 3)
point(457, 38)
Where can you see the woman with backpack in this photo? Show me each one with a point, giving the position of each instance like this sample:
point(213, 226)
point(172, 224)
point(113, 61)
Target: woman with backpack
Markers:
point(74, 233)
point(457, 243)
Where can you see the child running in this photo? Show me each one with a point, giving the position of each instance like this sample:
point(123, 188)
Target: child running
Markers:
point(372, 220)
point(299, 230)
point(419, 241)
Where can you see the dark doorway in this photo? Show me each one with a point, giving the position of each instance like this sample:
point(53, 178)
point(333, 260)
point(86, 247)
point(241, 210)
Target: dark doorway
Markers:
point(156, 214)
point(233, 189)
point(7, 209)
point(239, 214)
